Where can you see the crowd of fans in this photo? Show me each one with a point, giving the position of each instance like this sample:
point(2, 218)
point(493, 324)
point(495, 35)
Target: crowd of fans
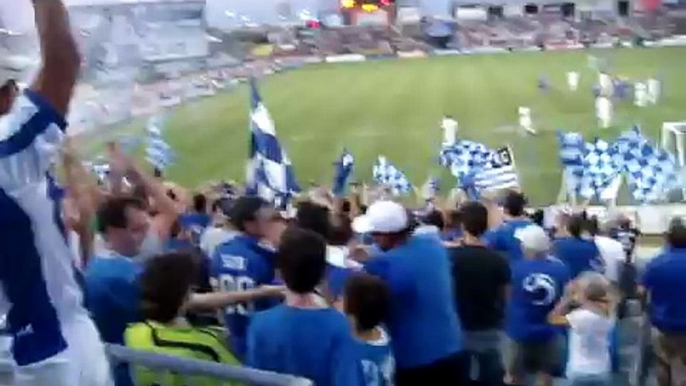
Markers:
point(344, 294)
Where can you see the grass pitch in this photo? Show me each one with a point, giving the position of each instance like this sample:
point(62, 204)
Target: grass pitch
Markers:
point(393, 108)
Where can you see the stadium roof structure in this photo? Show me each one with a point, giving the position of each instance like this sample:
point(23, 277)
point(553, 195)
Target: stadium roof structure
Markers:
point(110, 3)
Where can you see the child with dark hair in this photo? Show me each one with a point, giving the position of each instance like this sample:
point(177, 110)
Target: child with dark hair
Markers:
point(303, 336)
point(366, 302)
point(165, 286)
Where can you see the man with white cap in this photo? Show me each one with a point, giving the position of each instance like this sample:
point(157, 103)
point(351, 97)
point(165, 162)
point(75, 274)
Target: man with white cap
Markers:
point(54, 340)
point(423, 321)
point(538, 282)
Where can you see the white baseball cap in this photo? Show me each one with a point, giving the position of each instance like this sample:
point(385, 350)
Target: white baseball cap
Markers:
point(533, 238)
point(382, 217)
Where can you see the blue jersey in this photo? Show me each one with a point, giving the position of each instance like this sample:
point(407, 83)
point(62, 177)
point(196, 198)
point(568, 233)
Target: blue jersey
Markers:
point(313, 343)
point(664, 278)
point(38, 289)
point(579, 255)
point(378, 364)
point(423, 321)
point(113, 294)
point(504, 239)
point(194, 225)
point(242, 264)
point(339, 269)
point(537, 285)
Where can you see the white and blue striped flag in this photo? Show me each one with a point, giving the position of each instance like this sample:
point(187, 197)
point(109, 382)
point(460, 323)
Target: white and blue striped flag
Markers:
point(499, 172)
point(386, 174)
point(344, 170)
point(157, 151)
point(269, 172)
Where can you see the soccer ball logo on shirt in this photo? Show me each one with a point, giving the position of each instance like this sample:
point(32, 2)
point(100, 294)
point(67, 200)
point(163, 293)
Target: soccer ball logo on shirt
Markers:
point(541, 289)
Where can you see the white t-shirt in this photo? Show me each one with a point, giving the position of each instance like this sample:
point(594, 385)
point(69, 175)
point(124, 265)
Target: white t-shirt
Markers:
point(613, 254)
point(589, 343)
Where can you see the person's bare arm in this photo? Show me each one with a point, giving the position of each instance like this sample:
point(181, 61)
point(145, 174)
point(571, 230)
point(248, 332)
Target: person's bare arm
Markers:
point(168, 210)
point(215, 300)
point(61, 60)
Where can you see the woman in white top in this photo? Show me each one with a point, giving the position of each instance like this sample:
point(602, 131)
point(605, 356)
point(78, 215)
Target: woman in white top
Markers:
point(590, 328)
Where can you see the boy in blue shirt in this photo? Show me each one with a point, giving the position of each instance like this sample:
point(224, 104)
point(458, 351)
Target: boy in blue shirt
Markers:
point(304, 337)
point(538, 283)
point(423, 321)
point(503, 238)
point(366, 302)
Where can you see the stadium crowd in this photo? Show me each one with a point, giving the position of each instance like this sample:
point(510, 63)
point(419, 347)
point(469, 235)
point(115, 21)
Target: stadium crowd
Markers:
point(337, 290)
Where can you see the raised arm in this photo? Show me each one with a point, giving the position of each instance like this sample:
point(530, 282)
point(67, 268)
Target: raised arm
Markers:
point(60, 56)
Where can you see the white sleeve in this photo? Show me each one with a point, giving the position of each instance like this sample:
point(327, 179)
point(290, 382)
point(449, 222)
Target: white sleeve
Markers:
point(30, 138)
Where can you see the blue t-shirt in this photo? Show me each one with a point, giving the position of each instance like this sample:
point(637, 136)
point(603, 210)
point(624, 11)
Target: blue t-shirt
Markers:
point(242, 264)
point(423, 322)
point(503, 239)
point(112, 295)
point(313, 343)
point(339, 269)
point(376, 359)
point(579, 255)
point(537, 285)
point(194, 224)
point(452, 235)
point(664, 279)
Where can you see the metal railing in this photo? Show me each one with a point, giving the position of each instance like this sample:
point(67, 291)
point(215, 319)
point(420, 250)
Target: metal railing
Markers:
point(188, 368)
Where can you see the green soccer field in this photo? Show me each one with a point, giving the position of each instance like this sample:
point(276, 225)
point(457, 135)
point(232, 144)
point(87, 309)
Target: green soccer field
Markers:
point(393, 108)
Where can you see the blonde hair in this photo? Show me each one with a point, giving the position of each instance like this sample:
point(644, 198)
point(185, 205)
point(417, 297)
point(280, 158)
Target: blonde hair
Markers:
point(594, 288)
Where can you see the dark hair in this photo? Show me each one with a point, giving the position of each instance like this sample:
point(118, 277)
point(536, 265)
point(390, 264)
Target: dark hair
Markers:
point(341, 230)
point(593, 226)
point(474, 218)
point(244, 210)
point(200, 203)
point(301, 259)
point(435, 218)
point(676, 234)
point(514, 203)
point(368, 299)
point(538, 217)
point(575, 225)
point(165, 284)
point(313, 217)
point(454, 217)
point(112, 213)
